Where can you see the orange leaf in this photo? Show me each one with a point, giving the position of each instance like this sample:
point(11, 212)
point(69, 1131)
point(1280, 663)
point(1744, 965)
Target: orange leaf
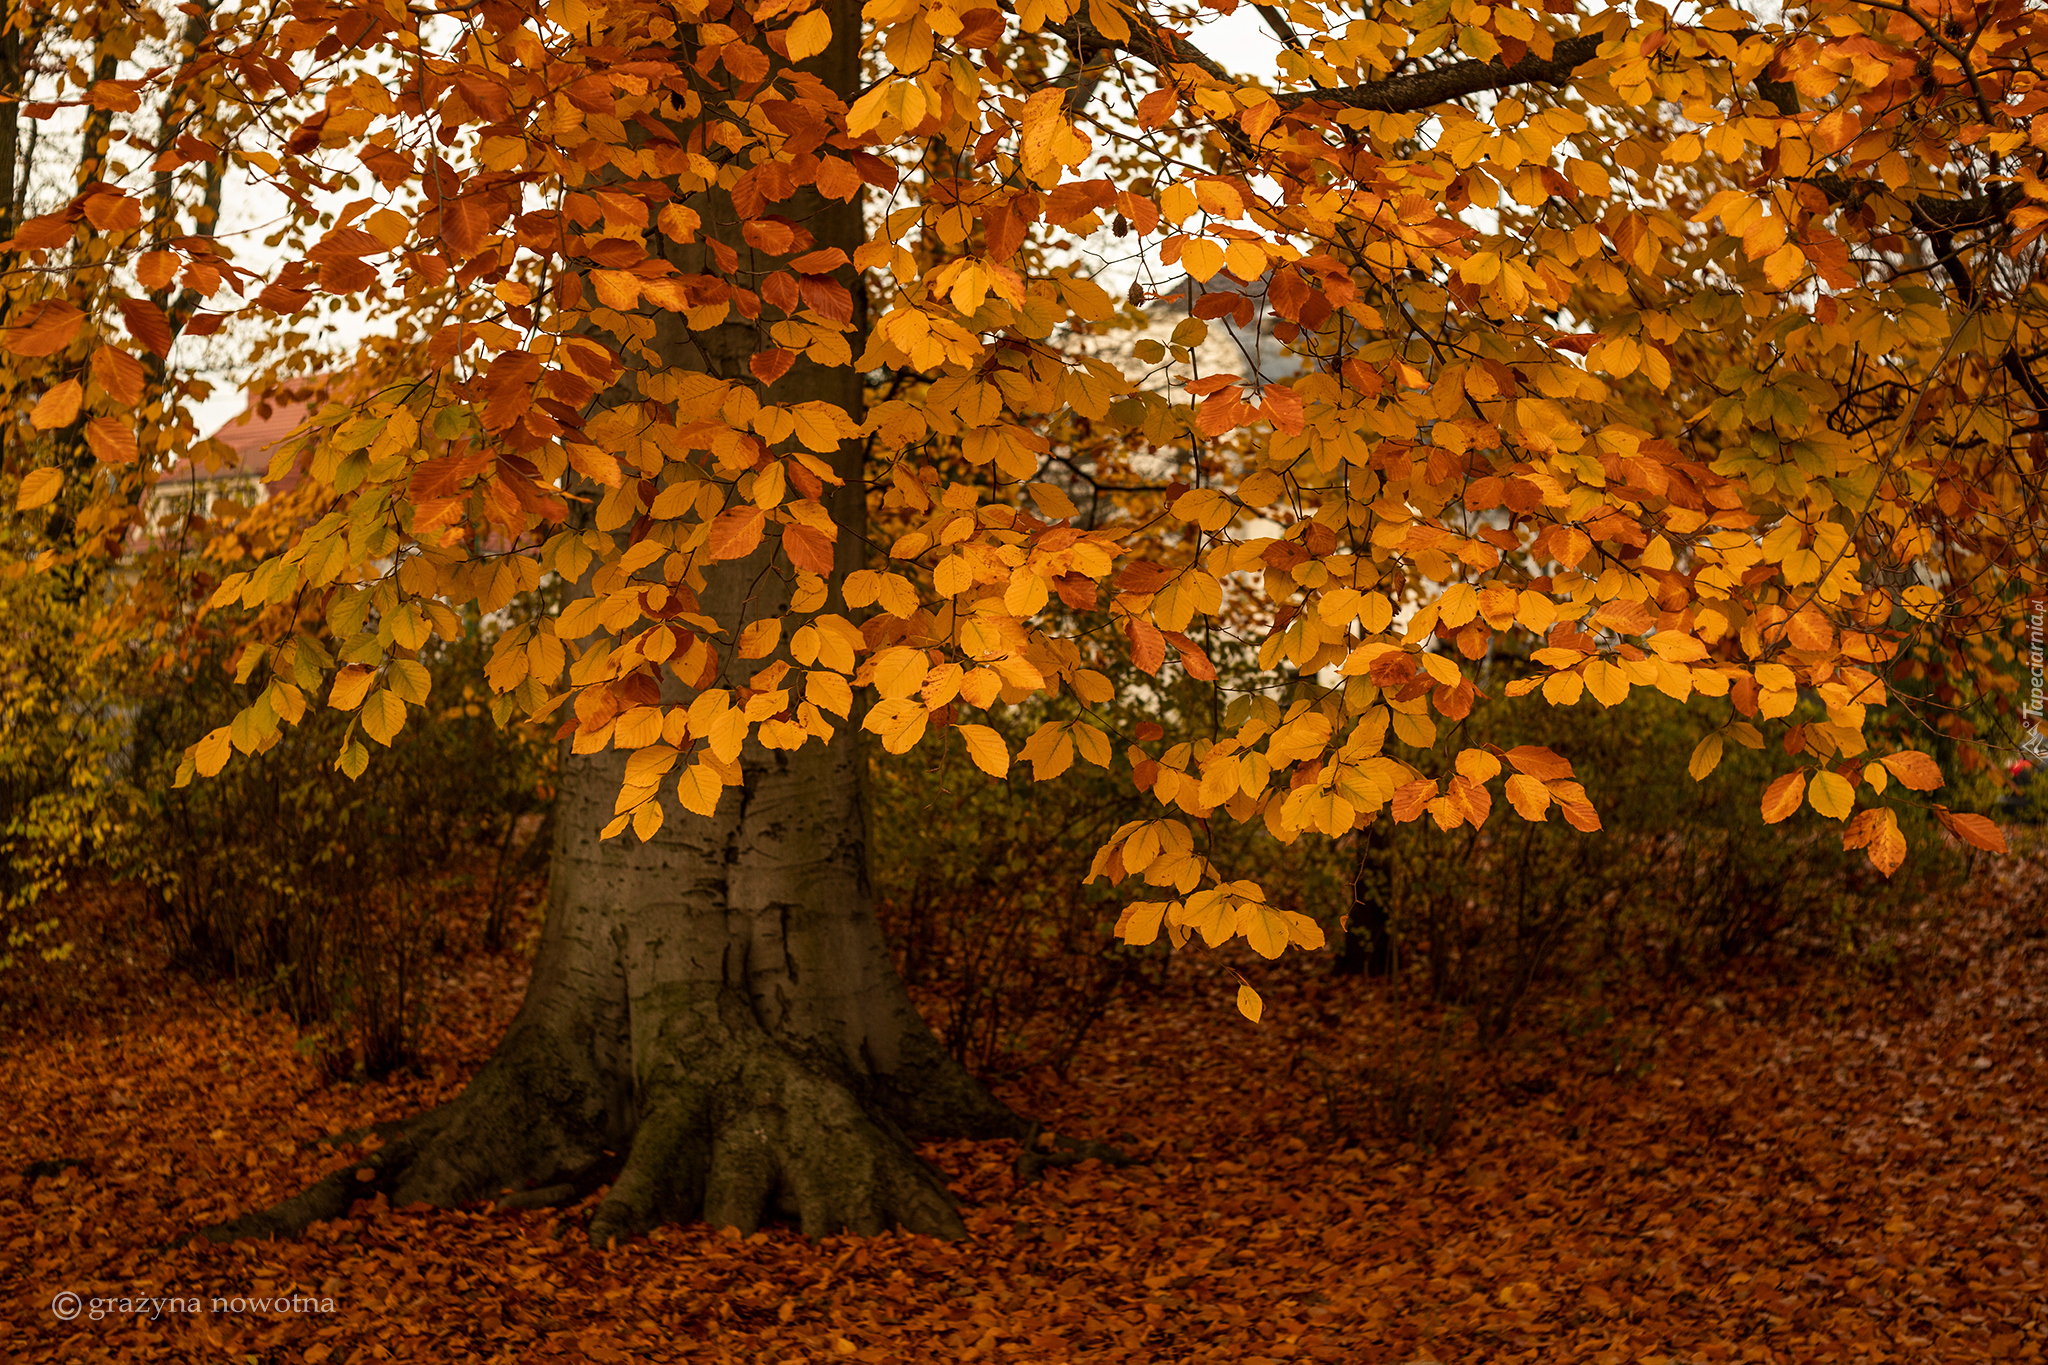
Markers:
point(147, 324)
point(113, 212)
point(1782, 797)
point(1972, 829)
point(58, 407)
point(1283, 406)
point(1876, 831)
point(112, 440)
point(1915, 769)
point(117, 96)
point(1412, 798)
point(38, 487)
point(735, 533)
point(1538, 762)
point(48, 230)
point(156, 269)
point(808, 549)
point(119, 373)
point(463, 224)
point(47, 330)
point(1148, 646)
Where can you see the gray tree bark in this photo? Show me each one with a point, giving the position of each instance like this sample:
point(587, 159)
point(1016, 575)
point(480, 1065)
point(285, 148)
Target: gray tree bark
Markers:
point(714, 1026)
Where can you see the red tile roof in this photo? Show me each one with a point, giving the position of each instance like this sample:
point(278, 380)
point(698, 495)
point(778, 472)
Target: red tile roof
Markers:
point(254, 437)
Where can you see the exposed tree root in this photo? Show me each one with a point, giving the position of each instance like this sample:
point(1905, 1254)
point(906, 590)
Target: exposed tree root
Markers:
point(1065, 1151)
point(735, 1128)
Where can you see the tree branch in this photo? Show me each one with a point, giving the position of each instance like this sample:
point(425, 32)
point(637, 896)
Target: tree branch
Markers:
point(1425, 89)
point(1282, 29)
point(1160, 48)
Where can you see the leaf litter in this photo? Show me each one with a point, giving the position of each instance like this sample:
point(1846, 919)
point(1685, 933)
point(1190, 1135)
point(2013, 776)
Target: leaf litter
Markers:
point(1792, 1164)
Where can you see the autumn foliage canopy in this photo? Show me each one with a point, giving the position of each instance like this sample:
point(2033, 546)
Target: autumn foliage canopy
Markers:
point(1687, 350)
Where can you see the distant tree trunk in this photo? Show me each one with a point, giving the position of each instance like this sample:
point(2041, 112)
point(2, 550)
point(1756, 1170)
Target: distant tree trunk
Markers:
point(1368, 946)
point(714, 1025)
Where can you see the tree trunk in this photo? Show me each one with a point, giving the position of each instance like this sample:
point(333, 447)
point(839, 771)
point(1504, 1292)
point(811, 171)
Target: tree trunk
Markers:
point(714, 1025)
point(1368, 946)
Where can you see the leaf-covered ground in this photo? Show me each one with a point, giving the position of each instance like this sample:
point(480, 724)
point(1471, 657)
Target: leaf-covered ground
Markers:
point(1799, 1166)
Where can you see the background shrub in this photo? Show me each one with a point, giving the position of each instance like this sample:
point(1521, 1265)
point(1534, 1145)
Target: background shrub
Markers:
point(330, 897)
point(1681, 877)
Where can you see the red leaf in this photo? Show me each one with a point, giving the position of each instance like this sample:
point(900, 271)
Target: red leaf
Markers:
point(769, 366)
point(828, 297)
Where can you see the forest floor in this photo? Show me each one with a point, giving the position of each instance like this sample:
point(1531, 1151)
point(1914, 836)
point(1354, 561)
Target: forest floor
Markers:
point(1799, 1164)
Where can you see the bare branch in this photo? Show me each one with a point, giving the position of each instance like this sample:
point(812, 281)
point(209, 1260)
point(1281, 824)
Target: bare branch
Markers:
point(1161, 48)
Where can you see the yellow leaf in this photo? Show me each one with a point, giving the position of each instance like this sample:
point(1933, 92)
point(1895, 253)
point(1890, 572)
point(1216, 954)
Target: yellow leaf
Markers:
point(699, 789)
point(1706, 756)
point(1139, 923)
point(351, 685)
point(647, 820)
point(637, 728)
point(1263, 928)
point(1478, 765)
point(1201, 258)
point(1249, 1004)
point(1052, 500)
point(38, 486)
point(758, 640)
point(809, 35)
point(829, 692)
point(986, 748)
point(409, 679)
point(900, 671)
point(383, 715)
point(899, 721)
point(1606, 681)
point(1529, 797)
point(820, 426)
point(1831, 795)
point(1784, 265)
point(210, 755)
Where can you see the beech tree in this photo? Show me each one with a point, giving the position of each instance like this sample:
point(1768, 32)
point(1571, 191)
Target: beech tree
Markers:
point(1686, 349)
